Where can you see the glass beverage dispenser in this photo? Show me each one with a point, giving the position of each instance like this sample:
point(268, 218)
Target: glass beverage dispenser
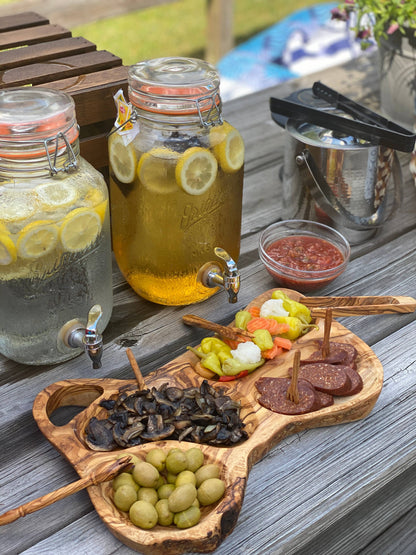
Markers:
point(176, 179)
point(55, 248)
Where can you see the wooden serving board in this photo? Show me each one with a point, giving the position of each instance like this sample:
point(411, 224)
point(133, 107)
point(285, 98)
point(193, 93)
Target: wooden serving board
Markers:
point(265, 430)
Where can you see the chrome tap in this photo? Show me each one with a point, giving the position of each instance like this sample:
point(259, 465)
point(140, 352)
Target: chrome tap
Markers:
point(213, 275)
point(74, 334)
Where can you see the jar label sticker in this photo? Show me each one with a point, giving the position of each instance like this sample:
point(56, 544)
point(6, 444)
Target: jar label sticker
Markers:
point(126, 124)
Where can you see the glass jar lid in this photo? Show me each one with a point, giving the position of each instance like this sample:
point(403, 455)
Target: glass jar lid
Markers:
point(35, 122)
point(175, 86)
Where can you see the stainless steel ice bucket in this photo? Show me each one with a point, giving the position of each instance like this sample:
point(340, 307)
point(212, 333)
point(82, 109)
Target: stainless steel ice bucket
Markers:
point(348, 183)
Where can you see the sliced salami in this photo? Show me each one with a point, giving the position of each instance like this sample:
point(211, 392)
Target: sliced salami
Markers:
point(323, 400)
point(339, 353)
point(274, 396)
point(328, 378)
point(356, 381)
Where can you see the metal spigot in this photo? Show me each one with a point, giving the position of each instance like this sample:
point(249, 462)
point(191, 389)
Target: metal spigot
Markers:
point(213, 275)
point(75, 335)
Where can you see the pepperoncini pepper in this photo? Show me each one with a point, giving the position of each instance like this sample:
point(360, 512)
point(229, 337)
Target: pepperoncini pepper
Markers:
point(208, 360)
point(297, 327)
point(232, 366)
point(215, 345)
point(263, 339)
point(295, 309)
point(242, 318)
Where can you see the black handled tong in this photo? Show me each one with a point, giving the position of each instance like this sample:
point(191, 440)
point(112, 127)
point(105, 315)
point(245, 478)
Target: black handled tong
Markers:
point(365, 124)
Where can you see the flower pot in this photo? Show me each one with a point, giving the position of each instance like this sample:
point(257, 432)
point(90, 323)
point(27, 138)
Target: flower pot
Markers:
point(398, 77)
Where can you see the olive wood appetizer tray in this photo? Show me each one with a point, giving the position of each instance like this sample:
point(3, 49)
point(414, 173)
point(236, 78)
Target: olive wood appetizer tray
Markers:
point(265, 429)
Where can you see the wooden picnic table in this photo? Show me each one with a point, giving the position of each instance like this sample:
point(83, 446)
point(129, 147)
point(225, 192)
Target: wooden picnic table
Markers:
point(342, 489)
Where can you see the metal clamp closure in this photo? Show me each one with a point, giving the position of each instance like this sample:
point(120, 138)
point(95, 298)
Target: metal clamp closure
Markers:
point(70, 164)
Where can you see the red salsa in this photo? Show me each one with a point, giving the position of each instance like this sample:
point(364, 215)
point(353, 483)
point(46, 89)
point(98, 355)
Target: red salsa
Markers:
point(305, 253)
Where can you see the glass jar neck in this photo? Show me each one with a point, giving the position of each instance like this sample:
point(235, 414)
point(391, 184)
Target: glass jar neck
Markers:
point(39, 158)
point(207, 113)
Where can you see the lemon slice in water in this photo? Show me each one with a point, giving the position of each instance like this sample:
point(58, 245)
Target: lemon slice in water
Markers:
point(56, 195)
point(16, 206)
point(228, 147)
point(8, 252)
point(196, 170)
point(79, 229)
point(122, 158)
point(156, 170)
point(37, 239)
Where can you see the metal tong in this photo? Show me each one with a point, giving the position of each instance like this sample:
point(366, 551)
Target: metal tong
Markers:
point(355, 306)
point(365, 124)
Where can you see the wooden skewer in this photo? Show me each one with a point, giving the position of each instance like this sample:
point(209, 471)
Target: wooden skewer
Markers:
point(327, 332)
point(139, 377)
point(103, 473)
point(226, 331)
point(292, 391)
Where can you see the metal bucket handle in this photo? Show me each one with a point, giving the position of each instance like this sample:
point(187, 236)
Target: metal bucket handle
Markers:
point(323, 194)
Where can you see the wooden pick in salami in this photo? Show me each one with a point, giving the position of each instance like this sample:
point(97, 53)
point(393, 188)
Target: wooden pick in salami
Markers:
point(292, 391)
point(327, 332)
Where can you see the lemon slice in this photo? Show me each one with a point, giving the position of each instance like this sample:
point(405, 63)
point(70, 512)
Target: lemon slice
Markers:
point(228, 147)
point(37, 239)
point(16, 205)
point(79, 229)
point(196, 170)
point(101, 209)
point(156, 170)
point(8, 253)
point(122, 158)
point(56, 195)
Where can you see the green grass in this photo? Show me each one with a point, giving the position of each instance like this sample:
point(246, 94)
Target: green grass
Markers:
point(178, 28)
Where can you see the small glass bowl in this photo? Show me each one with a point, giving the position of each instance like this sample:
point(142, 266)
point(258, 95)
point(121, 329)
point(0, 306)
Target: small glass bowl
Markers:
point(302, 280)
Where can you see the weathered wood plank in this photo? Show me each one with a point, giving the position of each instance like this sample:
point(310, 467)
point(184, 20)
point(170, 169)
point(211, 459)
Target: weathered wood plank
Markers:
point(219, 33)
point(36, 74)
point(32, 35)
point(38, 53)
point(12, 18)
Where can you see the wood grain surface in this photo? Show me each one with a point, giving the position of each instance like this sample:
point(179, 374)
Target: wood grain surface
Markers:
point(265, 429)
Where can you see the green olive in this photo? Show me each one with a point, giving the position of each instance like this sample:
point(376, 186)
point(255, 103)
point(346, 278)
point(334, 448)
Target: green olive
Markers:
point(124, 479)
point(182, 497)
point(165, 516)
point(124, 497)
point(160, 482)
point(165, 490)
point(148, 494)
point(143, 514)
point(187, 518)
point(195, 458)
point(185, 477)
point(176, 461)
point(210, 491)
point(205, 472)
point(145, 474)
point(171, 478)
point(157, 458)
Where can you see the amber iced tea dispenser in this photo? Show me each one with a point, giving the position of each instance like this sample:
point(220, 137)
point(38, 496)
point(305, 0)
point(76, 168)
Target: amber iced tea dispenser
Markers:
point(55, 248)
point(176, 178)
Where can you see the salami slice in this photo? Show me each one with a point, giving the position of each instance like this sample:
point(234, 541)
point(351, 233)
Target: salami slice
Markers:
point(356, 381)
point(323, 400)
point(274, 396)
point(328, 378)
point(339, 353)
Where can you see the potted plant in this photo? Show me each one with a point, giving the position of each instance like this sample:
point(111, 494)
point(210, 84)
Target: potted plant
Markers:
point(392, 25)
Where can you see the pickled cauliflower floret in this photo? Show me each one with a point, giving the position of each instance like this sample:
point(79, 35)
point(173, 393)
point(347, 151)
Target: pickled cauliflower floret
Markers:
point(247, 353)
point(273, 307)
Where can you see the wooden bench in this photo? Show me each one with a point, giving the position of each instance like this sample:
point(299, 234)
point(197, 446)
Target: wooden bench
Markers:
point(35, 52)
